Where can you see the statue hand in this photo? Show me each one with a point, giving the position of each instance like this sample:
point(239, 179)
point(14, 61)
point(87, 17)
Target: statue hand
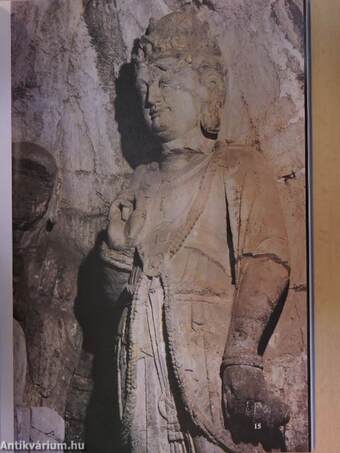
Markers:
point(120, 212)
point(127, 218)
point(248, 401)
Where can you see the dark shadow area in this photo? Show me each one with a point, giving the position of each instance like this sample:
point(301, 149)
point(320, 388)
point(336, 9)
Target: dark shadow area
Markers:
point(272, 323)
point(98, 312)
point(139, 144)
point(230, 242)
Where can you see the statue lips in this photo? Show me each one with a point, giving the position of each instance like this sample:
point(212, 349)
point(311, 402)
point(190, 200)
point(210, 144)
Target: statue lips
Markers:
point(159, 123)
point(156, 112)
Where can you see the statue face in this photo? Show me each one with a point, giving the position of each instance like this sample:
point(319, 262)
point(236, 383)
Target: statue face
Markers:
point(171, 99)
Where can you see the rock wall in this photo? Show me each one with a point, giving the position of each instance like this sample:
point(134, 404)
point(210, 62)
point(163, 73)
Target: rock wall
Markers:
point(73, 95)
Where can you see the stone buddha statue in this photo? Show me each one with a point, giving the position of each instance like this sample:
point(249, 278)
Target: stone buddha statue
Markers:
point(200, 236)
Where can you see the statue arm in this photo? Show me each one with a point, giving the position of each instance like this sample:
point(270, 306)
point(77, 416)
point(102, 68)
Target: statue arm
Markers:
point(247, 397)
point(261, 285)
point(262, 276)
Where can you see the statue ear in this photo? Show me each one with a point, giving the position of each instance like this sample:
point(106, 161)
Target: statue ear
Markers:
point(211, 109)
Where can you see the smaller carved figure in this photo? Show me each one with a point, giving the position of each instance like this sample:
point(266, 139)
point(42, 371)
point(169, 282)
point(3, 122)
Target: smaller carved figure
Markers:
point(45, 276)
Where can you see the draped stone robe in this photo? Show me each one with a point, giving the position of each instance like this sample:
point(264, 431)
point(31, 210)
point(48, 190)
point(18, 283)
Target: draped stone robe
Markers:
point(201, 228)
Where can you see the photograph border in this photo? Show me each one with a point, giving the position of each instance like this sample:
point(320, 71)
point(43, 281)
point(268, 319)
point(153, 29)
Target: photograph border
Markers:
point(6, 378)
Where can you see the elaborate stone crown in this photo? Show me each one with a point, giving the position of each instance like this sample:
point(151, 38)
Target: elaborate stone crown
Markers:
point(179, 35)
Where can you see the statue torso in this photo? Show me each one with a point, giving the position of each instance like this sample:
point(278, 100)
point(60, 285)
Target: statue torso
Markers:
point(186, 228)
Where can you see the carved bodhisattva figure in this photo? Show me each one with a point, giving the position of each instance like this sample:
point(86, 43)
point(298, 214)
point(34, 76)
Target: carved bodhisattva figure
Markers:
point(202, 238)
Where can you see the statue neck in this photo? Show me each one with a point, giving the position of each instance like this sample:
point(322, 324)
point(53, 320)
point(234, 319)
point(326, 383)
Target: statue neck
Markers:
point(180, 160)
point(185, 151)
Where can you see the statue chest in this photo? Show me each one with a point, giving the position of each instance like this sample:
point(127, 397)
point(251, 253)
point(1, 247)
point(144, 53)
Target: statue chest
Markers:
point(187, 212)
point(168, 208)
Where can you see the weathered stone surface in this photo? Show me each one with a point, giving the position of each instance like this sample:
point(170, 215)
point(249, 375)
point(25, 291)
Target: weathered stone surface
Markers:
point(54, 341)
point(46, 421)
point(45, 282)
point(39, 425)
point(73, 95)
point(78, 398)
point(22, 423)
point(291, 355)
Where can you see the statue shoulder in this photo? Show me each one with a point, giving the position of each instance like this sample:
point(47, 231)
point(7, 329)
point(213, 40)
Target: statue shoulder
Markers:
point(239, 158)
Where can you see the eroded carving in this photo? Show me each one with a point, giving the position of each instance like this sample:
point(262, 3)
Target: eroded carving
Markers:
point(45, 276)
point(202, 236)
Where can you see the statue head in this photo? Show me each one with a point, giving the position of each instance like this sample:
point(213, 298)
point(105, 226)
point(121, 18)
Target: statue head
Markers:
point(180, 76)
point(34, 195)
point(34, 177)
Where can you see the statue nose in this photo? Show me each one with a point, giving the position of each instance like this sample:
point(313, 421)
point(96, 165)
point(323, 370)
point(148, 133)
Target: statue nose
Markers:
point(153, 93)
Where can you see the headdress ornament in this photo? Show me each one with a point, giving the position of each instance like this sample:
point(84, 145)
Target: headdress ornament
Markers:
point(181, 35)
